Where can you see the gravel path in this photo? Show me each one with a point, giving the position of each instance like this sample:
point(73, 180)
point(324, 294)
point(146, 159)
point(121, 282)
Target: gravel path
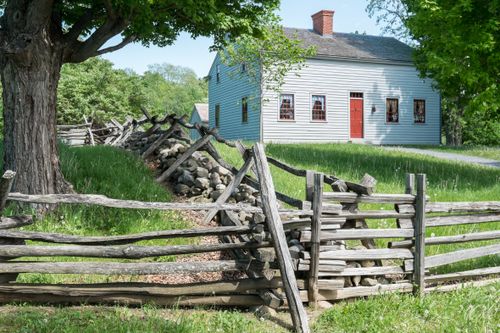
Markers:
point(449, 156)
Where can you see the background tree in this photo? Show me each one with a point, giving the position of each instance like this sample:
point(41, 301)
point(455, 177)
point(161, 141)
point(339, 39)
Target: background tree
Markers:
point(458, 46)
point(267, 59)
point(172, 89)
point(95, 89)
point(38, 36)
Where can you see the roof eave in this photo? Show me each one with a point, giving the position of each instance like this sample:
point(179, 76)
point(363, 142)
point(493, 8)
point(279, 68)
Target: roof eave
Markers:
point(366, 60)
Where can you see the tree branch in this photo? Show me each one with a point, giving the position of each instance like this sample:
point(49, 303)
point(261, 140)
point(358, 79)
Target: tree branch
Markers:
point(77, 28)
point(89, 47)
point(125, 41)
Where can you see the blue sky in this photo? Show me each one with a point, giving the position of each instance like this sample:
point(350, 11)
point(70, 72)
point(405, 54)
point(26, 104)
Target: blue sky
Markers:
point(350, 15)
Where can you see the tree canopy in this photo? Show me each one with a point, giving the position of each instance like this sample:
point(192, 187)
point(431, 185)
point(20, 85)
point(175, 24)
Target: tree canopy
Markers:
point(457, 44)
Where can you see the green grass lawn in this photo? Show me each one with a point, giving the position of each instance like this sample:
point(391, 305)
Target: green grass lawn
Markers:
point(479, 151)
point(118, 174)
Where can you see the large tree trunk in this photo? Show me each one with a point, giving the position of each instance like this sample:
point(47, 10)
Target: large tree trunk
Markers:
point(453, 123)
point(30, 69)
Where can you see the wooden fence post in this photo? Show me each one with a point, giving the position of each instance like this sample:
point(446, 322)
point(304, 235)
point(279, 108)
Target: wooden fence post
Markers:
point(309, 185)
point(317, 206)
point(270, 208)
point(5, 186)
point(419, 225)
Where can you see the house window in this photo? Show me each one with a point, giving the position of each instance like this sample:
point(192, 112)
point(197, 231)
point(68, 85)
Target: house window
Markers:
point(287, 107)
point(244, 110)
point(243, 67)
point(419, 111)
point(392, 110)
point(217, 115)
point(217, 73)
point(318, 107)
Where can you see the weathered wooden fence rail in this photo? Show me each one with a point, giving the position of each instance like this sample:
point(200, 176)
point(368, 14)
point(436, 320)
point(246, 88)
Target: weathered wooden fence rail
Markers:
point(312, 245)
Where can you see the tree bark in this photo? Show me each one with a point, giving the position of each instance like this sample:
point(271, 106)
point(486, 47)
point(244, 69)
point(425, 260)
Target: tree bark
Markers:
point(30, 64)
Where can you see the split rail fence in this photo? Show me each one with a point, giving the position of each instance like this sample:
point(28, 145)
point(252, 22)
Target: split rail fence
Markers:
point(311, 244)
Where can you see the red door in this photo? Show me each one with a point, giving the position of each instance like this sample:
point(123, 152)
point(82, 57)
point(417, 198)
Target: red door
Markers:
point(356, 115)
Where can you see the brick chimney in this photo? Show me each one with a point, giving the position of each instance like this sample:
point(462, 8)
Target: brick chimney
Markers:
point(323, 22)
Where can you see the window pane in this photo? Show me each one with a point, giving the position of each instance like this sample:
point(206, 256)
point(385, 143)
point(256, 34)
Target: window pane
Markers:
point(318, 107)
point(244, 110)
point(419, 111)
point(287, 110)
point(217, 115)
point(392, 110)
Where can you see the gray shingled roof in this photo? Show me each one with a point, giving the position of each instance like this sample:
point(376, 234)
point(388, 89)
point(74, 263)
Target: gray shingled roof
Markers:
point(353, 46)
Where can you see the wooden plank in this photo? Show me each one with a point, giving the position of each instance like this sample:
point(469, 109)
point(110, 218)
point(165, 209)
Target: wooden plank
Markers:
point(419, 223)
point(475, 236)
point(345, 234)
point(125, 251)
point(450, 207)
point(456, 256)
point(5, 187)
point(134, 300)
point(371, 271)
point(89, 129)
point(123, 239)
point(441, 221)
point(159, 141)
point(137, 288)
point(269, 206)
point(102, 200)
point(119, 268)
point(474, 273)
point(368, 254)
point(283, 166)
point(317, 193)
point(344, 293)
point(11, 222)
point(194, 147)
point(244, 154)
point(462, 285)
point(349, 197)
point(375, 214)
point(233, 184)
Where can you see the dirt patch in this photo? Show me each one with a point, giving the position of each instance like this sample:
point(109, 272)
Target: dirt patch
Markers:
point(196, 219)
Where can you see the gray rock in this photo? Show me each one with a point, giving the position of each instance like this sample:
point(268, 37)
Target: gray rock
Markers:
point(202, 183)
point(367, 263)
point(220, 187)
point(201, 172)
point(368, 282)
point(181, 189)
point(355, 280)
point(186, 178)
point(259, 218)
point(215, 179)
point(215, 194)
point(196, 190)
point(220, 170)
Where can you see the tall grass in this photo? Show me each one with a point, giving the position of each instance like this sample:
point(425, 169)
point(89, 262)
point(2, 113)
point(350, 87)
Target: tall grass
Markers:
point(118, 174)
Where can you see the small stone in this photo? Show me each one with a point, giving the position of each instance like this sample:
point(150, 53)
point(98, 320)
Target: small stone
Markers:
point(348, 282)
point(186, 178)
point(220, 187)
point(368, 282)
point(196, 190)
point(202, 183)
point(355, 280)
point(259, 218)
point(220, 170)
point(367, 263)
point(181, 189)
point(200, 199)
point(201, 172)
point(215, 194)
point(215, 179)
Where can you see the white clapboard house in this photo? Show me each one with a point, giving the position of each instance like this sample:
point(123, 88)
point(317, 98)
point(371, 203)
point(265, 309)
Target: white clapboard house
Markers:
point(356, 88)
